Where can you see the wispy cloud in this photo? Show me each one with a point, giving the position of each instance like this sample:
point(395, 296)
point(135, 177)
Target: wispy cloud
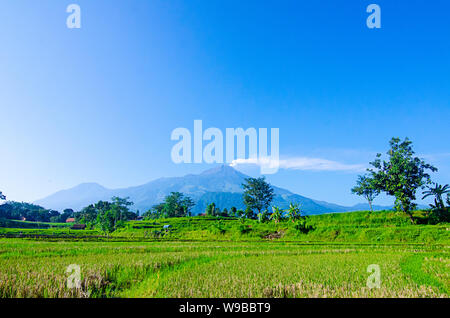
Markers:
point(435, 156)
point(302, 163)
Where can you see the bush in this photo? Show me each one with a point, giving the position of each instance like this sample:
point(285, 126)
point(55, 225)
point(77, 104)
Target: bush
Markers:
point(439, 216)
point(303, 226)
point(218, 227)
point(244, 229)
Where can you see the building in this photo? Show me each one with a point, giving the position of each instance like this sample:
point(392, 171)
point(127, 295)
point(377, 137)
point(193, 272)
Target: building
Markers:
point(70, 220)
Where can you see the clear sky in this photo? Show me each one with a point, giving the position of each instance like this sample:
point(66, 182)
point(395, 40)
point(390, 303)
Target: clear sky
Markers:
point(98, 104)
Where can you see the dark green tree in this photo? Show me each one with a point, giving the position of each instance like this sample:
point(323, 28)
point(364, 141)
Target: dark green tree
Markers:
point(88, 215)
point(177, 205)
point(365, 186)
point(224, 212)
point(401, 175)
point(108, 216)
point(120, 210)
point(157, 211)
point(248, 213)
point(211, 209)
point(106, 221)
point(258, 194)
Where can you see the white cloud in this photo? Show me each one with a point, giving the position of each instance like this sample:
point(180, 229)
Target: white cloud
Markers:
point(302, 163)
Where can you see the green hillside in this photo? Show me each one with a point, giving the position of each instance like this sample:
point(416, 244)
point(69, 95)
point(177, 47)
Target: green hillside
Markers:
point(381, 227)
point(352, 227)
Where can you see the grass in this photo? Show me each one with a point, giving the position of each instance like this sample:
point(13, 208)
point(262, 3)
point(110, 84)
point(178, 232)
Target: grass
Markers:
point(219, 269)
point(7, 223)
point(214, 257)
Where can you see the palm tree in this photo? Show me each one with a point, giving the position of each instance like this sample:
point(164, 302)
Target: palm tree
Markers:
point(276, 214)
point(293, 212)
point(438, 191)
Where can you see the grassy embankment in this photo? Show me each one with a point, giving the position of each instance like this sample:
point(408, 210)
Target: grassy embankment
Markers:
point(357, 227)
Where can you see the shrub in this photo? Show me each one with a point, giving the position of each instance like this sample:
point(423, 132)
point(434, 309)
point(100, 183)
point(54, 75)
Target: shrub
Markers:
point(244, 229)
point(303, 226)
point(439, 216)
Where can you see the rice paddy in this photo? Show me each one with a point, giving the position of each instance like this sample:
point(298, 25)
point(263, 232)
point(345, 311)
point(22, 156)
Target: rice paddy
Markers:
point(31, 268)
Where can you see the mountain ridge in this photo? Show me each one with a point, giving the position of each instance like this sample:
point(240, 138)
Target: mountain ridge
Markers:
point(221, 185)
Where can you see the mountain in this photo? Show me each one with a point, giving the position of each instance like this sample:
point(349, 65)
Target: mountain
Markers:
point(221, 185)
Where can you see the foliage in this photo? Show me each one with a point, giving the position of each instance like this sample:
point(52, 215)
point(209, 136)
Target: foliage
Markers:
point(248, 213)
point(303, 226)
point(108, 216)
point(239, 213)
point(224, 212)
point(263, 216)
point(258, 194)
point(402, 175)
point(31, 212)
point(437, 191)
point(2, 196)
point(439, 212)
point(277, 214)
point(439, 215)
point(356, 227)
point(293, 212)
point(211, 209)
point(176, 204)
point(365, 186)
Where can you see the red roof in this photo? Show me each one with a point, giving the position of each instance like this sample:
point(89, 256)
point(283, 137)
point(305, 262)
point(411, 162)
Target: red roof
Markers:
point(70, 220)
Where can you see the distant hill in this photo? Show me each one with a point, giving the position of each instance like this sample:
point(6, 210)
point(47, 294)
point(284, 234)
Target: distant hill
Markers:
point(221, 185)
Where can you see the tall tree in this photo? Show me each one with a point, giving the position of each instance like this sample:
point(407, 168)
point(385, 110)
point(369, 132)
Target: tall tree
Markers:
point(2, 196)
point(365, 186)
point(258, 194)
point(177, 205)
point(401, 175)
point(107, 215)
point(120, 210)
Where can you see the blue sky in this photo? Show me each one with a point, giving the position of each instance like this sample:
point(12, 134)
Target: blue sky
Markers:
point(98, 104)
